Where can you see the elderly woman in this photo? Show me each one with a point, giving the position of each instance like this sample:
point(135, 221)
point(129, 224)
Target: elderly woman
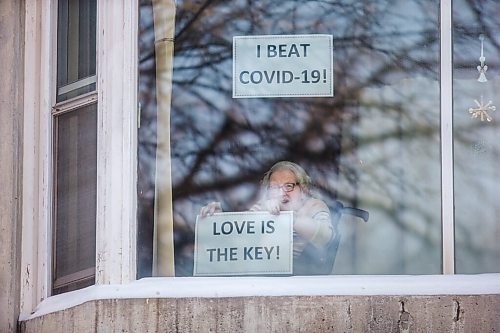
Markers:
point(286, 187)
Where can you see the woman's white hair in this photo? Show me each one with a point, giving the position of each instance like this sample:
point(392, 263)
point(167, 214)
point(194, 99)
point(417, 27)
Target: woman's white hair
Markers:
point(300, 175)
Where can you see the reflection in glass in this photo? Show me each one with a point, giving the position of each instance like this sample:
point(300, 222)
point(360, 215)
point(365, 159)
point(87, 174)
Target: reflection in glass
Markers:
point(476, 86)
point(374, 145)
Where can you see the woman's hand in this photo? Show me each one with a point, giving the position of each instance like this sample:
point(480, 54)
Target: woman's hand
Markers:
point(272, 206)
point(210, 209)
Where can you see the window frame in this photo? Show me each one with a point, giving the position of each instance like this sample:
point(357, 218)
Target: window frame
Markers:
point(116, 96)
point(68, 105)
point(117, 25)
point(446, 127)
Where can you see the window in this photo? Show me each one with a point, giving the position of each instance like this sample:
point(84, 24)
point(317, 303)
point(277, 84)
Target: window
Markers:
point(75, 148)
point(374, 145)
point(79, 161)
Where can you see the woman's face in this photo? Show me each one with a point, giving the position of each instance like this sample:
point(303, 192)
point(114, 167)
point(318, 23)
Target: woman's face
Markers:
point(284, 188)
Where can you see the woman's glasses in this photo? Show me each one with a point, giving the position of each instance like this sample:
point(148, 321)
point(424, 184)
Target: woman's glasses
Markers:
point(287, 187)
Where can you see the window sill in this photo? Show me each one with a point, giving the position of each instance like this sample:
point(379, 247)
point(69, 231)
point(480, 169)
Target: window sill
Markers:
point(219, 287)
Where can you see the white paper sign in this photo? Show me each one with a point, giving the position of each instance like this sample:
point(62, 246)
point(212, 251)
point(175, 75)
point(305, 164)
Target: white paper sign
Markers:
point(244, 243)
point(283, 66)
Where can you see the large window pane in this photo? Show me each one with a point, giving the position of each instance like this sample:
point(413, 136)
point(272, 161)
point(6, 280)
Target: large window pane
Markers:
point(476, 87)
point(373, 146)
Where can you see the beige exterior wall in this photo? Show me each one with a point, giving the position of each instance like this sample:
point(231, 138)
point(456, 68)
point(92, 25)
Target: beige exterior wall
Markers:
point(11, 120)
point(278, 314)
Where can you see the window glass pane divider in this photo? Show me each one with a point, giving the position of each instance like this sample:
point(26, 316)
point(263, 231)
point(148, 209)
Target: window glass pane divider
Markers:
point(74, 103)
point(447, 189)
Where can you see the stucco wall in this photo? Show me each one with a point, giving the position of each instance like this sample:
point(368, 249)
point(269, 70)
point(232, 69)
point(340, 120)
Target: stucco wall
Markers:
point(476, 313)
point(11, 106)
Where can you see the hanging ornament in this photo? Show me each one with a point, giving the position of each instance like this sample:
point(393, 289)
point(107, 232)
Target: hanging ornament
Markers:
point(482, 68)
point(482, 111)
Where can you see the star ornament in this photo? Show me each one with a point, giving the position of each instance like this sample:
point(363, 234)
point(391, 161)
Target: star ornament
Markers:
point(482, 111)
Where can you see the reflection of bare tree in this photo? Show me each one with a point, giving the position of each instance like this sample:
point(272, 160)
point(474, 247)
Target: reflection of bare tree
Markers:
point(359, 146)
point(306, 130)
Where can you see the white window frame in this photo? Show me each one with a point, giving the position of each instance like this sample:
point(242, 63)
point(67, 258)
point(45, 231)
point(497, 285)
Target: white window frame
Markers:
point(117, 54)
point(447, 189)
point(117, 28)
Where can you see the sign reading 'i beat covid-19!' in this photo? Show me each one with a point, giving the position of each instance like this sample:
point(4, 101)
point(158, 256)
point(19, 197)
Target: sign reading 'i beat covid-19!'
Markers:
point(283, 66)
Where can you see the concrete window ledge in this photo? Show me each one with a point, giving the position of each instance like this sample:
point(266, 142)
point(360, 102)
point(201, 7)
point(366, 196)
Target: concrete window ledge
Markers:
point(437, 303)
point(237, 287)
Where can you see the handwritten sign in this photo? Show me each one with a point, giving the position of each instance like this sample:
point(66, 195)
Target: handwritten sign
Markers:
point(244, 243)
point(283, 66)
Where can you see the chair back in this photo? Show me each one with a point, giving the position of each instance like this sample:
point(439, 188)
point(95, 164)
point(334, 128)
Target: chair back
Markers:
point(314, 261)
